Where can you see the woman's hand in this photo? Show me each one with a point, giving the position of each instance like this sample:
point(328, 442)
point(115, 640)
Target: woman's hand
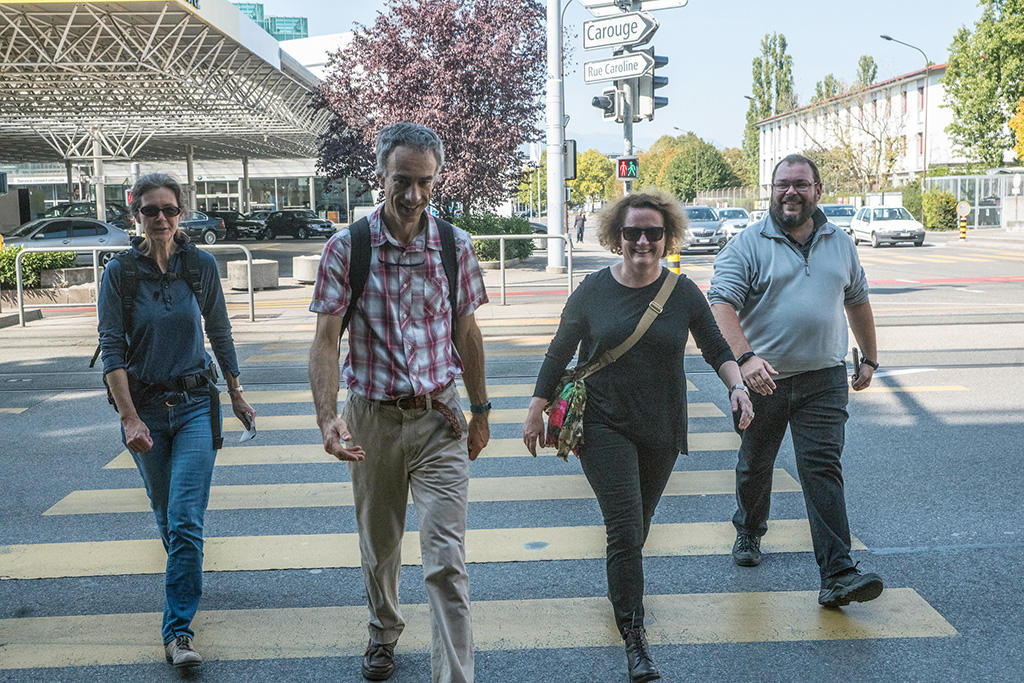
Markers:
point(336, 441)
point(533, 427)
point(240, 407)
point(136, 434)
point(740, 402)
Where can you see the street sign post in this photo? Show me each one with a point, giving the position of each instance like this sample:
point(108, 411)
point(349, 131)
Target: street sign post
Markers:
point(963, 209)
point(610, 8)
point(632, 28)
point(629, 65)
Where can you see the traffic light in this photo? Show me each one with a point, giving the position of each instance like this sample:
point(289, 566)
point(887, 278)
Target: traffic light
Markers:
point(647, 102)
point(608, 102)
point(627, 168)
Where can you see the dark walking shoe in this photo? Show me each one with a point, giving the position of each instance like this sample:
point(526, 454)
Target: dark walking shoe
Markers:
point(379, 661)
point(849, 586)
point(181, 654)
point(746, 551)
point(638, 656)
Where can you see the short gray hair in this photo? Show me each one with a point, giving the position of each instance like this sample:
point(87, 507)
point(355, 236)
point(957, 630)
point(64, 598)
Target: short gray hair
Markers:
point(406, 134)
point(153, 181)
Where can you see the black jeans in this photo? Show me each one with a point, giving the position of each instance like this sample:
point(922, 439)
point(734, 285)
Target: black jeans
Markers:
point(813, 405)
point(628, 480)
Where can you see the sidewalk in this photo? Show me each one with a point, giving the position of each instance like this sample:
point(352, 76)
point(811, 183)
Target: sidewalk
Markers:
point(995, 239)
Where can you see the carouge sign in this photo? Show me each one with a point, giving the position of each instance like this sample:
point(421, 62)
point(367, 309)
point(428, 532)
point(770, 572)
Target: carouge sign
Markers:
point(626, 29)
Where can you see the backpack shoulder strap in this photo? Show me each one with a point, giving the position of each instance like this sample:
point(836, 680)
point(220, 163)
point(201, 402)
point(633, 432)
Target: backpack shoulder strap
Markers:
point(358, 267)
point(450, 260)
point(129, 286)
point(191, 273)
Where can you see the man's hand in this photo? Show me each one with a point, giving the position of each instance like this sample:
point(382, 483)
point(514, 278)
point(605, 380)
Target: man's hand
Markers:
point(479, 434)
point(757, 374)
point(136, 434)
point(533, 427)
point(862, 380)
point(335, 434)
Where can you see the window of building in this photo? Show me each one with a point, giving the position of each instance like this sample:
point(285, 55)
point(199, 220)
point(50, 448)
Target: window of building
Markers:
point(920, 98)
point(904, 101)
point(920, 143)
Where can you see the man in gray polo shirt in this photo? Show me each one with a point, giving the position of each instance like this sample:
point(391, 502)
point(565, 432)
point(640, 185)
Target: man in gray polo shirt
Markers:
point(779, 294)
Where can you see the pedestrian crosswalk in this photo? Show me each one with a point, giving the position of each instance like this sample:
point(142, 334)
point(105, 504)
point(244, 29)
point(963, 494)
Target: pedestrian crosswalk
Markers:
point(287, 472)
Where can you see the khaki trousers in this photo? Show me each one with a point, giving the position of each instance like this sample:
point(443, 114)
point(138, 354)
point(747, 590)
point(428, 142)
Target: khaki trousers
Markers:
point(414, 450)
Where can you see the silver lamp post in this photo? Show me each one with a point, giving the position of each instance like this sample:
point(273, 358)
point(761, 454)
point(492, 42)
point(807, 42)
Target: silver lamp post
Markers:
point(924, 134)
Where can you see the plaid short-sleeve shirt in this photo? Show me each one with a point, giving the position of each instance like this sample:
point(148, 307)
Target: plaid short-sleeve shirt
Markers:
point(400, 334)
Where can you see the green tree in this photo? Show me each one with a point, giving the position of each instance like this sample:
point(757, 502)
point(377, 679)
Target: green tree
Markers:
point(697, 165)
point(1017, 126)
point(772, 92)
point(867, 71)
point(738, 165)
point(984, 80)
point(592, 172)
point(826, 88)
point(912, 200)
point(655, 159)
point(939, 209)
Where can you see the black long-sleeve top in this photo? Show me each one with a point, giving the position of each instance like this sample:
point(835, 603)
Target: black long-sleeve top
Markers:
point(642, 395)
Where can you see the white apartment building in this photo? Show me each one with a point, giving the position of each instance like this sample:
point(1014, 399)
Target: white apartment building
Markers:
point(890, 127)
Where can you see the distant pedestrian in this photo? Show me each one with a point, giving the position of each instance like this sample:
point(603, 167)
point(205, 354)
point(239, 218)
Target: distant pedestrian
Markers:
point(581, 222)
point(163, 385)
point(778, 293)
point(634, 423)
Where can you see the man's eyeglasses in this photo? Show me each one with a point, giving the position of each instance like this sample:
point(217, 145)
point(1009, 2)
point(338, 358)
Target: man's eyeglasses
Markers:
point(631, 234)
point(152, 211)
point(382, 259)
point(798, 185)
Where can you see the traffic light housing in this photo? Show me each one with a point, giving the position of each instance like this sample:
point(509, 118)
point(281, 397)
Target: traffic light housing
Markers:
point(607, 102)
point(646, 101)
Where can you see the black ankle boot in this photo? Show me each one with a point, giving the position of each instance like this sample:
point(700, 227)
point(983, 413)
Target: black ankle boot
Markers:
point(638, 656)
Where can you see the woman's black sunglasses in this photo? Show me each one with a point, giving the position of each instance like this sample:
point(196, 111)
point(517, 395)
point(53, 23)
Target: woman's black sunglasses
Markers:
point(631, 234)
point(151, 211)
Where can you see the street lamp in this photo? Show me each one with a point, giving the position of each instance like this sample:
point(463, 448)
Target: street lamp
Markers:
point(924, 134)
point(696, 162)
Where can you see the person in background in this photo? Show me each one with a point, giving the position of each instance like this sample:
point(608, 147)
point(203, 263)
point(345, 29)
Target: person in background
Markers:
point(581, 222)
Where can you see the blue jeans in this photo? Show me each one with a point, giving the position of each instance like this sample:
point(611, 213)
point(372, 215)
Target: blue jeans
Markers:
point(813, 405)
point(177, 471)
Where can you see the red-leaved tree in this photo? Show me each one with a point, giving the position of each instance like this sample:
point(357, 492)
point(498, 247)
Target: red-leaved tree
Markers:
point(472, 70)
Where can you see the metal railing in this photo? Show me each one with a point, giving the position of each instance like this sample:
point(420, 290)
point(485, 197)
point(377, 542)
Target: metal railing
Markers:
point(96, 274)
point(501, 253)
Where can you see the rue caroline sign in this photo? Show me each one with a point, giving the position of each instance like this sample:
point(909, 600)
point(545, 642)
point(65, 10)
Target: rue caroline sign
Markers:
point(625, 29)
point(629, 65)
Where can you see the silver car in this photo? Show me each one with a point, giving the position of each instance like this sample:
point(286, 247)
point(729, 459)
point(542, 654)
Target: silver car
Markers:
point(839, 215)
point(886, 225)
point(736, 219)
point(703, 229)
point(73, 233)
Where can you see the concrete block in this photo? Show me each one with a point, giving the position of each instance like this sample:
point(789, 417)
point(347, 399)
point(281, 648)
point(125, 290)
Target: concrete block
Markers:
point(304, 268)
point(66, 277)
point(264, 274)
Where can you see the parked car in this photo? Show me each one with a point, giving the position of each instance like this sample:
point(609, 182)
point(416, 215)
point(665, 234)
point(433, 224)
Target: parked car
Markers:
point(886, 225)
point(117, 214)
point(703, 230)
point(299, 223)
point(260, 215)
point(73, 233)
point(199, 226)
point(840, 215)
point(736, 219)
point(239, 226)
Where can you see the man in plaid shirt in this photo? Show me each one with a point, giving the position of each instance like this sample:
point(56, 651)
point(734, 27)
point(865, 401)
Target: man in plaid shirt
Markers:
point(403, 426)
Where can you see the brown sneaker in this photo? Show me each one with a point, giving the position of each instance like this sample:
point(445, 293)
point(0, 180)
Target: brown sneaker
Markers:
point(379, 661)
point(181, 654)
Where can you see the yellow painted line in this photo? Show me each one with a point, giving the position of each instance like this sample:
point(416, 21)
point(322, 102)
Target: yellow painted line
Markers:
point(536, 350)
point(497, 416)
point(908, 390)
point(885, 262)
point(313, 551)
point(13, 411)
point(481, 322)
point(498, 625)
point(334, 494)
point(299, 454)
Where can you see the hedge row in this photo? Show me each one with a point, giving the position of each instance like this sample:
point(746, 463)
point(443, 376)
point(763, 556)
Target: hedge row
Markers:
point(32, 265)
point(490, 224)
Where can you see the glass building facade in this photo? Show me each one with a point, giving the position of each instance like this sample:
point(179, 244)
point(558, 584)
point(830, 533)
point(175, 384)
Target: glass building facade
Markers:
point(282, 28)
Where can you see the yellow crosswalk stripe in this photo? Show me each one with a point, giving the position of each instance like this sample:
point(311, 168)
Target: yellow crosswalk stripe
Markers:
point(297, 454)
point(332, 494)
point(13, 411)
point(909, 389)
point(497, 416)
point(314, 551)
point(315, 632)
point(536, 350)
point(481, 321)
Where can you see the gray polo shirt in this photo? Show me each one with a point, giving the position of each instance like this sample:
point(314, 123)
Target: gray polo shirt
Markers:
point(791, 306)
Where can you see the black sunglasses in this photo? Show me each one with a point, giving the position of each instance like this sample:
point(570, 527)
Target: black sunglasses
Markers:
point(631, 234)
point(151, 211)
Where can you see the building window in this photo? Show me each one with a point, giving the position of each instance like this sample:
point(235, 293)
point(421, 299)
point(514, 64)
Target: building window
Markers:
point(904, 101)
point(920, 98)
point(905, 145)
point(920, 143)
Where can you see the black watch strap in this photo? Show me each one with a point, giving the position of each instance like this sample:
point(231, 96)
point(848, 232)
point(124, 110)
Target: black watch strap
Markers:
point(870, 363)
point(745, 357)
point(481, 408)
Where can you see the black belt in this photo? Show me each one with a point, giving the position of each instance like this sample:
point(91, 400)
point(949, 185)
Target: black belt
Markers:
point(420, 402)
point(144, 392)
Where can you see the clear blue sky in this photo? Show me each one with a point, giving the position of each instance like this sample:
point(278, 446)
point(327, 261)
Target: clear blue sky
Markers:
point(710, 45)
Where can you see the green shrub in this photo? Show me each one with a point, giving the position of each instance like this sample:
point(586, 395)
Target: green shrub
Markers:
point(912, 199)
point(490, 224)
point(939, 209)
point(31, 266)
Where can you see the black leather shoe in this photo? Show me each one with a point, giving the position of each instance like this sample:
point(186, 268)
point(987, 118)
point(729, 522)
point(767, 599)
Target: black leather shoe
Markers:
point(850, 586)
point(638, 656)
point(746, 551)
point(379, 661)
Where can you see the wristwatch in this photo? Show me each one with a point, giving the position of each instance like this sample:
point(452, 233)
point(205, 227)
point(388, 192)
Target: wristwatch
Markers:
point(745, 357)
point(480, 408)
point(741, 387)
point(870, 363)
point(236, 390)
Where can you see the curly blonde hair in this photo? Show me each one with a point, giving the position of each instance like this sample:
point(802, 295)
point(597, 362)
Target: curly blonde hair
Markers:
point(610, 222)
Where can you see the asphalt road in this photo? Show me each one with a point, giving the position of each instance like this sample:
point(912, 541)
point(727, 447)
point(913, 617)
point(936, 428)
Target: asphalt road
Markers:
point(932, 465)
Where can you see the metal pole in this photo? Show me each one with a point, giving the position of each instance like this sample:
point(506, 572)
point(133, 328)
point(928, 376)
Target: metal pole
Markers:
point(501, 265)
point(97, 176)
point(627, 125)
point(348, 204)
point(555, 133)
point(71, 180)
point(244, 203)
point(190, 172)
point(924, 133)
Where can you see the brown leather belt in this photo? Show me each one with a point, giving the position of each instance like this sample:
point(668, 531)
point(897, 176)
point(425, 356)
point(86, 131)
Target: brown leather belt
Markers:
point(420, 402)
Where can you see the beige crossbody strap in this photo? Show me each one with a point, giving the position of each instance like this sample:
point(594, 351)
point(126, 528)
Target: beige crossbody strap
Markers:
point(654, 309)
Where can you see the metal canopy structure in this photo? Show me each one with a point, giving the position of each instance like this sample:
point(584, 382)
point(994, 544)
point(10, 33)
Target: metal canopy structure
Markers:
point(146, 80)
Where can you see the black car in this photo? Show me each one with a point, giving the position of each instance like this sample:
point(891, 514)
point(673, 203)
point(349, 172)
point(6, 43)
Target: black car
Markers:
point(199, 226)
point(240, 226)
point(299, 223)
point(117, 214)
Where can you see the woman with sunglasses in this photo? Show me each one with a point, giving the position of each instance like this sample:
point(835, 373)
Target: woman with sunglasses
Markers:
point(634, 425)
point(162, 384)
